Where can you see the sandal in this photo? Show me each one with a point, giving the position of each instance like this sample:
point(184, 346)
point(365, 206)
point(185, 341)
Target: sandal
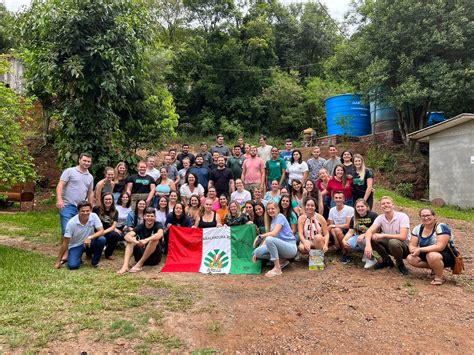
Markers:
point(437, 282)
point(135, 269)
point(273, 273)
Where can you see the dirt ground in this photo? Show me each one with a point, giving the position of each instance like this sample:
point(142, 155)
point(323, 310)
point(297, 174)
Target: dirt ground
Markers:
point(343, 309)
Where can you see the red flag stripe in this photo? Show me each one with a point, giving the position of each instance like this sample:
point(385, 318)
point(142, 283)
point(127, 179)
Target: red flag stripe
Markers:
point(184, 250)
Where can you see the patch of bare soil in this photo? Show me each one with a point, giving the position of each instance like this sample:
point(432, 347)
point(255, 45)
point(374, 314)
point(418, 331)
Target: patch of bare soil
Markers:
point(341, 309)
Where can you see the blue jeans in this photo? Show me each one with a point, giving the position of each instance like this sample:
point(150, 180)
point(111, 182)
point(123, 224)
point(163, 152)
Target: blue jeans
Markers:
point(75, 253)
point(353, 244)
point(112, 239)
point(275, 248)
point(65, 214)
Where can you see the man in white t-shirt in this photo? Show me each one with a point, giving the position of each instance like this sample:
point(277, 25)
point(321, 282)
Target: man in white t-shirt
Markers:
point(150, 168)
point(265, 150)
point(338, 223)
point(389, 235)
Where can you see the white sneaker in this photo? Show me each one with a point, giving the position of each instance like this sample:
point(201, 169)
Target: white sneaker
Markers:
point(364, 258)
point(370, 263)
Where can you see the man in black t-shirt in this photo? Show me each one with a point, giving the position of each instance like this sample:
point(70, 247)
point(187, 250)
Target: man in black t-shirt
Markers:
point(222, 178)
point(184, 154)
point(141, 186)
point(144, 242)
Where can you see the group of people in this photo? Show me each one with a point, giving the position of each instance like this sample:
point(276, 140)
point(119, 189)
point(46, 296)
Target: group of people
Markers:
point(295, 206)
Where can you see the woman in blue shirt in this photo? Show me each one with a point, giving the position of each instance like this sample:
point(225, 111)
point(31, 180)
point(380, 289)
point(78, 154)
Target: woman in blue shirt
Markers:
point(278, 244)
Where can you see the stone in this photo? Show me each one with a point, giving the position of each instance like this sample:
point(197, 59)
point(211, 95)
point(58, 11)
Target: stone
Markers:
point(438, 202)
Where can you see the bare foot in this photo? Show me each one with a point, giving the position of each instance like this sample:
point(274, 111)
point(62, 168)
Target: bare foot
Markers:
point(254, 258)
point(57, 265)
point(122, 271)
point(136, 268)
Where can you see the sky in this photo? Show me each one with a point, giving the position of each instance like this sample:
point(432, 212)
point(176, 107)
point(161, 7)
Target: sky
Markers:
point(337, 8)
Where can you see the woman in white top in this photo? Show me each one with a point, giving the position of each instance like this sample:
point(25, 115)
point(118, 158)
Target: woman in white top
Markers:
point(240, 195)
point(297, 168)
point(123, 209)
point(191, 187)
point(162, 210)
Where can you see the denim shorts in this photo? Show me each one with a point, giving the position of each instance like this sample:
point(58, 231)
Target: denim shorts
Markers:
point(65, 214)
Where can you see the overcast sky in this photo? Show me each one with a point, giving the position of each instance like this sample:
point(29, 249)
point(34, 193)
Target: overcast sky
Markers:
point(337, 8)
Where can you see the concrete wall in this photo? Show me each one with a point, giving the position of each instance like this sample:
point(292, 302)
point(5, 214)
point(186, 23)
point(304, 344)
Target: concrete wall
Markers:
point(14, 78)
point(451, 171)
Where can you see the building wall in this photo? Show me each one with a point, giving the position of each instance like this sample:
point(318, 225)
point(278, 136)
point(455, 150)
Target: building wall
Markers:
point(14, 78)
point(451, 171)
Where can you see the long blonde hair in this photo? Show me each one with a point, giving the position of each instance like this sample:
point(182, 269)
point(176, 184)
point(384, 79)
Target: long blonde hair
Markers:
point(362, 168)
point(116, 173)
point(268, 219)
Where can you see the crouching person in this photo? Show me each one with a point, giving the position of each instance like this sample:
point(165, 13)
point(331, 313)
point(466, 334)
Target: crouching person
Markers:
point(389, 236)
point(144, 242)
point(83, 231)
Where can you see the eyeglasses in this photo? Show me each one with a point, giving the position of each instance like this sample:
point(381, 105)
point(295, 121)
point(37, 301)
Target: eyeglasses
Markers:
point(426, 216)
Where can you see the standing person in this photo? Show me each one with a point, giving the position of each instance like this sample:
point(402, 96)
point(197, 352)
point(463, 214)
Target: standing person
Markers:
point(141, 186)
point(247, 151)
point(241, 144)
point(432, 246)
point(340, 182)
point(214, 164)
point(265, 150)
point(220, 147)
point(275, 169)
point(144, 243)
point(82, 231)
point(346, 160)
point(105, 185)
point(253, 171)
point(150, 168)
point(360, 223)
point(183, 172)
point(288, 152)
point(120, 180)
point(297, 168)
point(75, 185)
point(338, 223)
point(171, 169)
point(164, 184)
point(200, 171)
point(221, 178)
point(363, 182)
point(322, 187)
point(333, 160)
point(172, 153)
point(206, 156)
point(108, 216)
point(207, 217)
point(183, 155)
point(240, 195)
point(279, 242)
point(191, 187)
point(223, 208)
point(312, 229)
point(315, 163)
point(235, 162)
point(388, 236)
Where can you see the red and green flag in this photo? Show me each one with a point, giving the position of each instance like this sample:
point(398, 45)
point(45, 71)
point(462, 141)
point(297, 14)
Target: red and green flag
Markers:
point(222, 250)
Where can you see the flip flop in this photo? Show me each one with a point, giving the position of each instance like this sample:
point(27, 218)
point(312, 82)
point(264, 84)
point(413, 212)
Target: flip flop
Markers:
point(63, 261)
point(135, 269)
point(272, 273)
point(122, 273)
point(437, 282)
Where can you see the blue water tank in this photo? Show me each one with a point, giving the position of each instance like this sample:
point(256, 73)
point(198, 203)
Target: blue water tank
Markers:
point(436, 117)
point(347, 115)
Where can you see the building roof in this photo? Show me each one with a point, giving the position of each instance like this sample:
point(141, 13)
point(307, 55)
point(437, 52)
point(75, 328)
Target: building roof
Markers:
point(423, 135)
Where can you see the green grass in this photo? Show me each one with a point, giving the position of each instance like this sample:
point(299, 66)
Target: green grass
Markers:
point(40, 227)
point(443, 212)
point(39, 304)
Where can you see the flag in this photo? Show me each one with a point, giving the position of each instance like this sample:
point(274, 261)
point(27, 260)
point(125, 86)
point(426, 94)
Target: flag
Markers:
point(222, 250)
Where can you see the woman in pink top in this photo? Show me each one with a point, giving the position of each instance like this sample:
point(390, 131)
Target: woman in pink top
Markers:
point(340, 182)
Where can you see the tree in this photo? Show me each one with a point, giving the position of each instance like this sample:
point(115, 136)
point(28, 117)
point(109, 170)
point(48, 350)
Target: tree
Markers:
point(16, 164)
point(6, 22)
point(414, 55)
point(88, 59)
